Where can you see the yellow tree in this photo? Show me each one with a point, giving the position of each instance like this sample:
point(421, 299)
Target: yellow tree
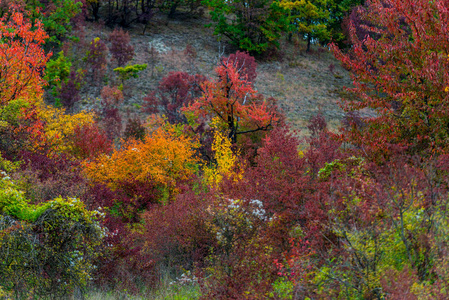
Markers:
point(226, 160)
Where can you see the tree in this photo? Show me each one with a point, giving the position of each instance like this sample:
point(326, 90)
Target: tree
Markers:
point(400, 73)
point(111, 99)
point(88, 142)
point(22, 58)
point(309, 18)
point(129, 71)
point(120, 49)
point(339, 11)
point(57, 17)
point(70, 89)
point(57, 72)
point(175, 91)
point(234, 101)
point(226, 160)
point(164, 158)
point(96, 57)
point(253, 26)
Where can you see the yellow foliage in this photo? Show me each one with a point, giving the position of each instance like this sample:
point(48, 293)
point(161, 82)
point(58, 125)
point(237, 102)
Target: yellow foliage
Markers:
point(225, 158)
point(59, 125)
point(165, 157)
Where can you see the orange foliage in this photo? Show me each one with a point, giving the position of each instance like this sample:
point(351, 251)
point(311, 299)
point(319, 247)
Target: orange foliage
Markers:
point(22, 59)
point(165, 157)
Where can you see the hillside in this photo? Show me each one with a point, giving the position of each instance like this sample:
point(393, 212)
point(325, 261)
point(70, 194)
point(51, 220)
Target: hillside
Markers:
point(304, 84)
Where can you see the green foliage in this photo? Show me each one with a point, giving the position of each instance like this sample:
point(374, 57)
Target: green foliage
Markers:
point(56, 72)
point(7, 166)
point(318, 19)
point(57, 23)
point(282, 289)
point(56, 16)
point(254, 26)
point(388, 238)
point(127, 72)
point(338, 165)
point(10, 113)
point(309, 18)
point(338, 11)
point(47, 250)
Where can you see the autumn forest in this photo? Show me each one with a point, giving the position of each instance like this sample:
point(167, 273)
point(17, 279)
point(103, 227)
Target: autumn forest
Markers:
point(132, 171)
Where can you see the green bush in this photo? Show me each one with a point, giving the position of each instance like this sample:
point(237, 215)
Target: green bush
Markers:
point(56, 72)
point(47, 250)
point(127, 72)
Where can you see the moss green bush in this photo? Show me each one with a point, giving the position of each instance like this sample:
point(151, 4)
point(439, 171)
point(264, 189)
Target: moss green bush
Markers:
point(46, 250)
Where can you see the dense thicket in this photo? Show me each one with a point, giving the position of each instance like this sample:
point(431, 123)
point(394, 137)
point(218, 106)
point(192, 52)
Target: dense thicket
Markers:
point(213, 184)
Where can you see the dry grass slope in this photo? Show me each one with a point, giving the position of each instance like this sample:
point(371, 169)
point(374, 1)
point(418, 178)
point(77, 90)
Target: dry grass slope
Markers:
point(304, 83)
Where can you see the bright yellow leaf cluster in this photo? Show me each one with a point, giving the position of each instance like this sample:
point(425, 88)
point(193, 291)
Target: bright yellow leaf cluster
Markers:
point(59, 125)
point(225, 158)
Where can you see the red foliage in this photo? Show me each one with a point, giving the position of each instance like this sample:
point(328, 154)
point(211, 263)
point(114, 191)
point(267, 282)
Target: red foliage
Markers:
point(111, 98)
point(177, 235)
point(400, 73)
point(22, 58)
point(398, 285)
point(175, 91)
point(324, 146)
point(246, 272)
point(50, 177)
point(236, 104)
point(278, 174)
point(89, 141)
point(123, 263)
point(244, 63)
point(111, 122)
point(121, 49)
point(134, 129)
point(69, 91)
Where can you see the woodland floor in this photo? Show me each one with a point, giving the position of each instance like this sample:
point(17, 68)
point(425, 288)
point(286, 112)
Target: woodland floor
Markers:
point(303, 83)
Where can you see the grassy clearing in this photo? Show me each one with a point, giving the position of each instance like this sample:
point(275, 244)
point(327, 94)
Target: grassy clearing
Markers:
point(182, 288)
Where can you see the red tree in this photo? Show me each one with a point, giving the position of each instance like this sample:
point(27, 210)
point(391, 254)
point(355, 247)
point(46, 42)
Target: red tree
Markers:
point(175, 91)
point(121, 49)
point(244, 63)
point(22, 58)
point(234, 101)
point(400, 73)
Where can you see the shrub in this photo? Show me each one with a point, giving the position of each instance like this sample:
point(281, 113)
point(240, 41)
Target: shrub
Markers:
point(175, 91)
point(88, 142)
point(134, 129)
point(120, 49)
point(96, 58)
point(131, 71)
point(54, 244)
point(69, 91)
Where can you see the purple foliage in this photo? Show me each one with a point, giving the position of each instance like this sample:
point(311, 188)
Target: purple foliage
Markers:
point(121, 49)
point(69, 91)
point(96, 58)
